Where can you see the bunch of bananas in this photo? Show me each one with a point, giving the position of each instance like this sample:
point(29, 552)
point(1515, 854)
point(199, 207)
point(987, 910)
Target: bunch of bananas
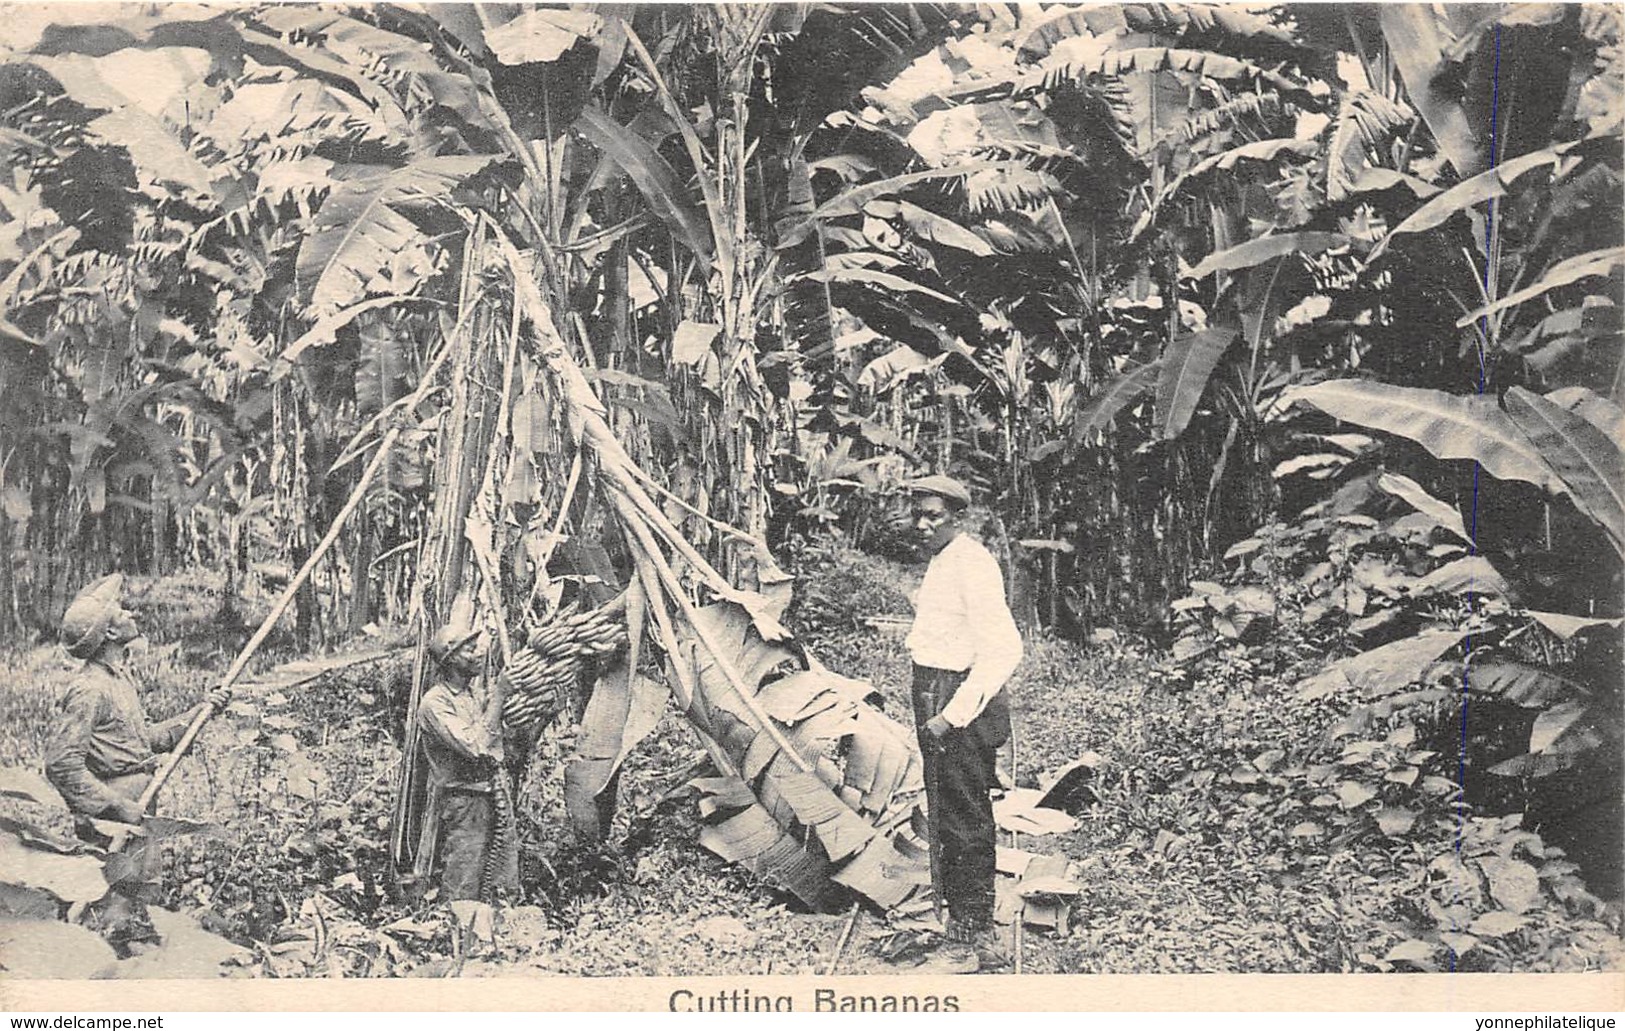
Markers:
point(542, 671)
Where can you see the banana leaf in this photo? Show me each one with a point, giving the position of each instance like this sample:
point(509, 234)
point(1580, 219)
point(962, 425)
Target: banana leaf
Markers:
point(830, 812)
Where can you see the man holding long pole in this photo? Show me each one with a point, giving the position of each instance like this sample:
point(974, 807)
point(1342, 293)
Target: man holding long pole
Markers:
point(965, 646)
point(103, 751)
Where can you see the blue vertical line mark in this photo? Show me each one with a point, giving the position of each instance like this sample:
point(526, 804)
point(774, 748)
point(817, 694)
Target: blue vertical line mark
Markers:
point(1472, 546)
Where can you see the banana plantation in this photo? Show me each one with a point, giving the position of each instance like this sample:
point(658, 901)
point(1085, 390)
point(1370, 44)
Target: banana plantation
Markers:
point(1279, 348)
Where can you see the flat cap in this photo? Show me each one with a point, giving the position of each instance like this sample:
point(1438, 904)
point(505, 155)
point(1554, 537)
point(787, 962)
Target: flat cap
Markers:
point(945, 487)
point(89, 615)
point(445, 642)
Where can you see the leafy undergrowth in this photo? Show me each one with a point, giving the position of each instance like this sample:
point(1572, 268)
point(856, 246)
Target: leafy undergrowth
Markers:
point(1232, 833)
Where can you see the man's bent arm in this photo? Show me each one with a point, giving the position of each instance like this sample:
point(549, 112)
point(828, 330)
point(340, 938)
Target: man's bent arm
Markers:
point(463, 737)
point(998, 643)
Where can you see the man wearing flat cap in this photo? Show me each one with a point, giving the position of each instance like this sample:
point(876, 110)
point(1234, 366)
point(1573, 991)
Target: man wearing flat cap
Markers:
point(104, 751)
point(463, 840)
point(965, 645)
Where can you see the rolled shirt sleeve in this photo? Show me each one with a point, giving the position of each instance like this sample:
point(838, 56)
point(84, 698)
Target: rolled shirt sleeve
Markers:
point(166, 735)
point(993, 633)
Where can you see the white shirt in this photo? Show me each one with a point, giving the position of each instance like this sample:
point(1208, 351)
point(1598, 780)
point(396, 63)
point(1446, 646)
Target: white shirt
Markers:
point(961, 622)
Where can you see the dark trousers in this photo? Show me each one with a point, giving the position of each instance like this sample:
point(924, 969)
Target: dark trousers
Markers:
point(959, 775)
point(468, 836)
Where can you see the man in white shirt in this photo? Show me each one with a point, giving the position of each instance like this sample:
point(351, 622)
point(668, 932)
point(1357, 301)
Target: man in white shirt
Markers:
point(965, 645)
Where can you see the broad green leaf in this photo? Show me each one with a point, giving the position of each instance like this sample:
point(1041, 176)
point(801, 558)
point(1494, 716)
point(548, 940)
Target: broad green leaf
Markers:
point(1150, 60)
point(1590, 466)
point(324, 66)
point(1187, 364)
point(940, 230)
point(325, 330)
point(889, 281)
point(1351, 794)
point(1412, 493)
point(1563, 727)
point(1393, 821)
point(27, 903)
point(1532, 687)
point(1232, 25)
point(1104, 405)
point(1570, 270)
point(1471, 574)
point(692, 342)
point(1449, 426)
point(621, 712)
point(885, 372)
point(852, 201)
point(1306, 463)
point(860, 790)
point(358, 231)
point(1383, 670)
point(1412, 950)
point(1566, 626)
point(1497, 923)
point(187, 951)
point(1256, 151)
point(1019, 811)
point(1485, 186)
point(1366, 122)
point(1418, 40)
point(460, 21)
point(360, 44)
point(156, 150)
point(1266, 248)
point(1599, 411)
point(16, 782)
point(653, 176)
point(1052, 885)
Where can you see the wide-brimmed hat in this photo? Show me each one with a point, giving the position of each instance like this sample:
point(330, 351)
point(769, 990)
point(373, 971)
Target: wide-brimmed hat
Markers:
point(945, 487)
point(92, 611)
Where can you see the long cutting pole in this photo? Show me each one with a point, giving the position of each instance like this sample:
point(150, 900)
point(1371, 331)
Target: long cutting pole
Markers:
point(167, 767)
point(238, 664)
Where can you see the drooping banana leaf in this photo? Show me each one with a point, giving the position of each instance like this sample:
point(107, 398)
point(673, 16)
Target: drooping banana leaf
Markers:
point(154, 148)
point(1449, 426)
point(1529, 686)
point(1187, 365)
point(359, 231)
point(1385, 670)
point(625, 707)
point(1589, 463)
point(1110, 399)
point(652, 175)
point(846, 819)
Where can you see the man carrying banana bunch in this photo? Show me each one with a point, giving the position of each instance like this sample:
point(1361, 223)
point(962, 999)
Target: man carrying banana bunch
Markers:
point(467, 840)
